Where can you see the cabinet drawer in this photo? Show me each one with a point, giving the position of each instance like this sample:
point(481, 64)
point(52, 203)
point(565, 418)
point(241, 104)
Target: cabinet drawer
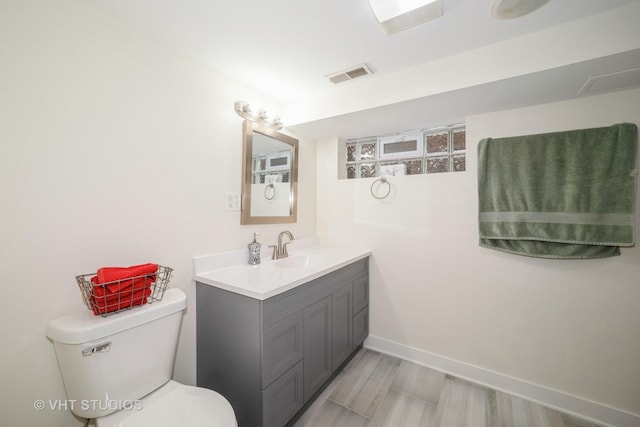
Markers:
point(360, 293)
point(282, 399)
point(360, 326)
point(282, 347)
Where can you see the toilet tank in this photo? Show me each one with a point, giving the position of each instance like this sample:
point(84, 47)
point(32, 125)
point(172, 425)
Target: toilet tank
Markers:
point(108, 363)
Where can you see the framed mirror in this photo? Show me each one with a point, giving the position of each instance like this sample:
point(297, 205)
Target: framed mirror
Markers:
point(269, 176)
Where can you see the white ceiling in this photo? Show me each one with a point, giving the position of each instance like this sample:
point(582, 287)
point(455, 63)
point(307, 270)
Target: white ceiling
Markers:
point(285, 48)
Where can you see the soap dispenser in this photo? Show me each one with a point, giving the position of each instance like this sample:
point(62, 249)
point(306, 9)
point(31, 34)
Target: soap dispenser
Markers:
point(254, 251)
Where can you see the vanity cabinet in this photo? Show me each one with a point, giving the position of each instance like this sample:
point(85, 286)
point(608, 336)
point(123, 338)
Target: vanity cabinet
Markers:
point(271, 357)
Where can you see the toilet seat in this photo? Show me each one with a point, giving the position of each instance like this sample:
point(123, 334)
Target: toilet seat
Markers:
point(175, 404)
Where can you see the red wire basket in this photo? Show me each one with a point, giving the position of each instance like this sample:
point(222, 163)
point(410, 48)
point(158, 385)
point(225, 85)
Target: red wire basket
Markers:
point(113, 297)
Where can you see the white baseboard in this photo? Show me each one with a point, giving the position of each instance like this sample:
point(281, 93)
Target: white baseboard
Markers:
point(567, 403)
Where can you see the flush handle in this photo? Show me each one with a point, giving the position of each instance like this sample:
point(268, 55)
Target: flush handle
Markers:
point(99, 348)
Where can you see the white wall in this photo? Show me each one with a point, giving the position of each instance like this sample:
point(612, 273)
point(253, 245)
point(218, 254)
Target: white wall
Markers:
point(571, 326)
point(114, 150)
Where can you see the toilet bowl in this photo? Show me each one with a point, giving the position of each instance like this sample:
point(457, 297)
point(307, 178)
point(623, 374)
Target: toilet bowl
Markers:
point(119, 369)
point(175, 404)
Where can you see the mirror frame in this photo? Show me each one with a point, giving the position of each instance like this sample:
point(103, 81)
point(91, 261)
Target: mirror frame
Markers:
point(248, 130)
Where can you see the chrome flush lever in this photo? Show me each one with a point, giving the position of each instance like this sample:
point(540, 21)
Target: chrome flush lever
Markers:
point(100, 348)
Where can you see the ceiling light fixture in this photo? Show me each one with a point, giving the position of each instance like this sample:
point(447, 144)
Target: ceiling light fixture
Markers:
point(509, 9)
point(398, 15)
point(244, 110)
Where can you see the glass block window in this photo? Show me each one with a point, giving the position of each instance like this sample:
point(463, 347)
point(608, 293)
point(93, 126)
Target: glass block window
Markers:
point(367, 170)
point(351, 153)
point(437, 143)
point(440, 150)
point(437, 164)
point(413, 166)
point(368, 151)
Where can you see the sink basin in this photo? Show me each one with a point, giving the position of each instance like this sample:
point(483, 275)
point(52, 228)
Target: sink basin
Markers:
point(297, 261)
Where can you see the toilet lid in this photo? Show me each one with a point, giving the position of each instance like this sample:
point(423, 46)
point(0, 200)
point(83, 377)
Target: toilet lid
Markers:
point(175, 405)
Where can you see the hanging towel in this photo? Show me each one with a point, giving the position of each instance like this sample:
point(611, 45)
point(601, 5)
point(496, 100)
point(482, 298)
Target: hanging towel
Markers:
point(559, 195)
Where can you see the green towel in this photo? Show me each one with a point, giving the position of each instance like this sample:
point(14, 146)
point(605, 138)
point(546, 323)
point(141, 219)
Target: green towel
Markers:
point(559, 195)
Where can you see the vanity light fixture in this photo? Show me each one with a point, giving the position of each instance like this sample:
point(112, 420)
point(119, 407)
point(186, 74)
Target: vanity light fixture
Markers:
point(398, 15)
point(245, 111)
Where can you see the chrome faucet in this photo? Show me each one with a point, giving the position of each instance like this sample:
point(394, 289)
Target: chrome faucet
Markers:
point(280, 250)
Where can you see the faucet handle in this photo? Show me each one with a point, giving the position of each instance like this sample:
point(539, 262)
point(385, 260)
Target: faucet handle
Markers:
point(275, 251)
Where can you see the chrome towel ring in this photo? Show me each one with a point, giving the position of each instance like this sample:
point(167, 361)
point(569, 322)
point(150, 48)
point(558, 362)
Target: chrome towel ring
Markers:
point(270, 195)
point(382, 180)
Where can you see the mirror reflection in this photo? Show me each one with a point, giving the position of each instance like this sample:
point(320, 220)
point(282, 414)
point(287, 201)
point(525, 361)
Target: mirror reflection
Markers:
point(269, 176)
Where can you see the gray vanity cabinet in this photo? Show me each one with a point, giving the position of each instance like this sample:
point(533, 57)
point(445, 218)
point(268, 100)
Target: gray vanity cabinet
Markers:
point(271, 357)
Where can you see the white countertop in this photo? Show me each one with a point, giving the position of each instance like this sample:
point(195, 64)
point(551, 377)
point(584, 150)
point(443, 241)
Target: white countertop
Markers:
point(307, 260)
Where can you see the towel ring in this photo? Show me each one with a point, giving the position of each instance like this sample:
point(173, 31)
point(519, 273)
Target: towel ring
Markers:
point(383, 180)
point(272, 192)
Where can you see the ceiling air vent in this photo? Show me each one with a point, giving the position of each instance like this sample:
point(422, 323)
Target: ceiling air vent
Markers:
point(350, 74)
point(611, 82)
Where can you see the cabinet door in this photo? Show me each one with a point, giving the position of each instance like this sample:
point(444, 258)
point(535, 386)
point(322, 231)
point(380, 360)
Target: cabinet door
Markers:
point(341, 322)
point(317, 346)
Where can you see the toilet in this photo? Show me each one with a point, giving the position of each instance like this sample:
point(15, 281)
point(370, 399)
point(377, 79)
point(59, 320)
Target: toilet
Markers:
point(117, 369)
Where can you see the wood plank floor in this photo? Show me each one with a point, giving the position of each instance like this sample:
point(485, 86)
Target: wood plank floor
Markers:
point(378, 390)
